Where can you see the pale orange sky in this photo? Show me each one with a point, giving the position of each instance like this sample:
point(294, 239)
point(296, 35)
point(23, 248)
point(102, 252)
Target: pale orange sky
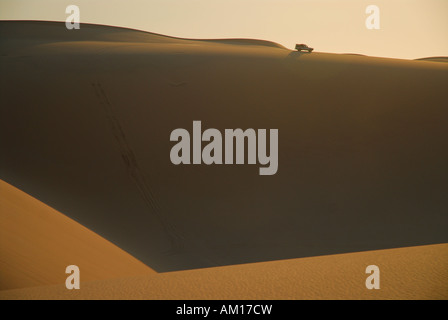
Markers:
point(408, 28)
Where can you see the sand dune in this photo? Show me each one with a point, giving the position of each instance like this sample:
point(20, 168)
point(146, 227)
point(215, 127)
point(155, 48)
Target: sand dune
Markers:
point(405, 273)
point(86, 117)
point(37, 243)
point(434, 59)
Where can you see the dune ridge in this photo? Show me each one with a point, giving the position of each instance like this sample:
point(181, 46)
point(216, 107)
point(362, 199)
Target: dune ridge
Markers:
point(405, 273)
point(434, 59)
point(104, 33)
point(37, 243)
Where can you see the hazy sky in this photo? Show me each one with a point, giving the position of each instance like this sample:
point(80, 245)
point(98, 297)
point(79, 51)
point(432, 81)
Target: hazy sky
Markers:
point(408, 28)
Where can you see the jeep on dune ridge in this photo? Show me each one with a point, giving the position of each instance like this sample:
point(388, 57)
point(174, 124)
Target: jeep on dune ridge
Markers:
point(303, 47)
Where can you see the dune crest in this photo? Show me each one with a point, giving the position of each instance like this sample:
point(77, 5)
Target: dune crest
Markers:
point(37, 243)
point(405, 273)
point(434, 59)
point(25, 30)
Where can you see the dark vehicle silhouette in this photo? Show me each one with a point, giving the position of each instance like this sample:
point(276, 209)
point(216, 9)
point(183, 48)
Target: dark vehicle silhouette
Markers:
point(303, 47)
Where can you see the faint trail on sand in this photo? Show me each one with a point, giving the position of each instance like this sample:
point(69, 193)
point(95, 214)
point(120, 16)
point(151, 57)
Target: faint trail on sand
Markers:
point(135, 173)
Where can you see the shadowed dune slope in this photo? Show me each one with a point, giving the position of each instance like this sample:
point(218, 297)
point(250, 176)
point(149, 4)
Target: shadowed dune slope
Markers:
point(37, 243)
point(405, 273)
point(85, 125)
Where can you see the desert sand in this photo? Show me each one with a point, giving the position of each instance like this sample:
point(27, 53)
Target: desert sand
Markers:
point(405, 273)
point(37, 243)
point(435, 59)
point(87, 114)
point(362, 143)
